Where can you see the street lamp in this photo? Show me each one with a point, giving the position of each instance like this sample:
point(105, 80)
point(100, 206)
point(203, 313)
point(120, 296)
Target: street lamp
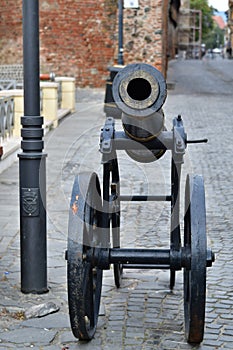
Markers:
point(32, 173)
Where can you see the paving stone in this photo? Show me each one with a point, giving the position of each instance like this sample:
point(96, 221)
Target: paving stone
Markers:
point(22, 336)
point(58, 320)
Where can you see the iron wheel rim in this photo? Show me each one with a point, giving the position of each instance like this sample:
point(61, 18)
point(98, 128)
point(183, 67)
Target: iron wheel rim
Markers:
point(84, 279)
point(195, 245)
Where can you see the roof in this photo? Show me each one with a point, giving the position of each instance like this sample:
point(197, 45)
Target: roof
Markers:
point(219, 21)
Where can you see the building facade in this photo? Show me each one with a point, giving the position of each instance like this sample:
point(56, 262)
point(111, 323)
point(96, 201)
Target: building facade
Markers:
point(229, 34)
point(80, 38)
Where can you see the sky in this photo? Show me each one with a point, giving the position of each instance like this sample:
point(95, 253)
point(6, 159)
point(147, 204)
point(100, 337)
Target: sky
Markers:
point(220, 5)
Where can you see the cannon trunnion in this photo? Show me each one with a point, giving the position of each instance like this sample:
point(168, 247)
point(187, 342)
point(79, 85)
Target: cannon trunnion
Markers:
point(139, 91)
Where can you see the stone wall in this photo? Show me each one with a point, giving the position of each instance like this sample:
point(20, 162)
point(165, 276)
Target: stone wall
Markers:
point(80, 38)
point(143, 33)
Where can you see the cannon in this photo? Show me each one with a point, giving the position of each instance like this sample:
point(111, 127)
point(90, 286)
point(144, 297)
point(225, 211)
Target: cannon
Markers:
point(139, 91)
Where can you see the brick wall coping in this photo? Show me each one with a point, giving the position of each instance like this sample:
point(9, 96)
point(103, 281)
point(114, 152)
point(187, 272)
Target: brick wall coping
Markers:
point(58, 79)
point(13, 92)
point(48, 84)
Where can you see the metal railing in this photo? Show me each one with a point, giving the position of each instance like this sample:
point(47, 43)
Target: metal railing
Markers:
point(11, 72)
point(6, 117)
point(7, 84)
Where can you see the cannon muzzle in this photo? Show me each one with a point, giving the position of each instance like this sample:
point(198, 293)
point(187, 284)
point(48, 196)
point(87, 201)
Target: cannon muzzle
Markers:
point(139, 91)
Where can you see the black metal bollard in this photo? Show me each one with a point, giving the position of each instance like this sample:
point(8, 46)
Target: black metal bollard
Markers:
point(110, 107)
point(32, 165)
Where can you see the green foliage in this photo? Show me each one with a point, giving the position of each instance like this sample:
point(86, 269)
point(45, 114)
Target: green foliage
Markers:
point(215, 38)
point(207, 13)
point(212, 35)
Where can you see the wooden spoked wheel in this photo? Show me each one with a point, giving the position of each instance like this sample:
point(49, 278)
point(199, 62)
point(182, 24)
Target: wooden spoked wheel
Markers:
point(195, 274)
point(84, 232)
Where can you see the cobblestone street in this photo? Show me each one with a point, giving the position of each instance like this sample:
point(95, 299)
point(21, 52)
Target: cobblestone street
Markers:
point(143, 314)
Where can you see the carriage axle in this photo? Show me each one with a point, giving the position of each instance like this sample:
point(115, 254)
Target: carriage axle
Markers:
point(150, 258)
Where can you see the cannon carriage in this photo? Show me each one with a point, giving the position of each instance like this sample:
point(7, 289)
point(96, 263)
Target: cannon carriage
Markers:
point(139, 92)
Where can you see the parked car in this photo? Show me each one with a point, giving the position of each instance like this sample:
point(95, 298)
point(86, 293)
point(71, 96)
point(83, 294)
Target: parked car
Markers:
point(217, 50)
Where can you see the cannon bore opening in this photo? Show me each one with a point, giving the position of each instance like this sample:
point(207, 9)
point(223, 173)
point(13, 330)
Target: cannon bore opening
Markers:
point(139, 89)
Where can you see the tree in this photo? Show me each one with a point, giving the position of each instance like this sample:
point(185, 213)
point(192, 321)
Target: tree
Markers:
point(215, 38)
point(207, 13)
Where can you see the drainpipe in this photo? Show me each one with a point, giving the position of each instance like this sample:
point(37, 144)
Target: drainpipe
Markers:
point(120, 60)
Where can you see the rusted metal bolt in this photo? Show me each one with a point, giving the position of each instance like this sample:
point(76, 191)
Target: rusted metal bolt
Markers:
point(210, 258)
point(179, 144)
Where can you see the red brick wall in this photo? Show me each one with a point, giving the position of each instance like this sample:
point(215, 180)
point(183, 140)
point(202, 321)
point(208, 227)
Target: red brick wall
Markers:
point(77, 38)
point(80, 37)
point(11, 32)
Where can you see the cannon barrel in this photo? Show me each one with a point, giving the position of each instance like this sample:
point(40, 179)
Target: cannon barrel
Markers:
point(139, 91)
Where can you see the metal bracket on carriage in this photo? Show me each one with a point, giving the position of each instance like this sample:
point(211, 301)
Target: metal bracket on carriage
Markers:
point(106, 137)
point(179, 139)
point(110, 140)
